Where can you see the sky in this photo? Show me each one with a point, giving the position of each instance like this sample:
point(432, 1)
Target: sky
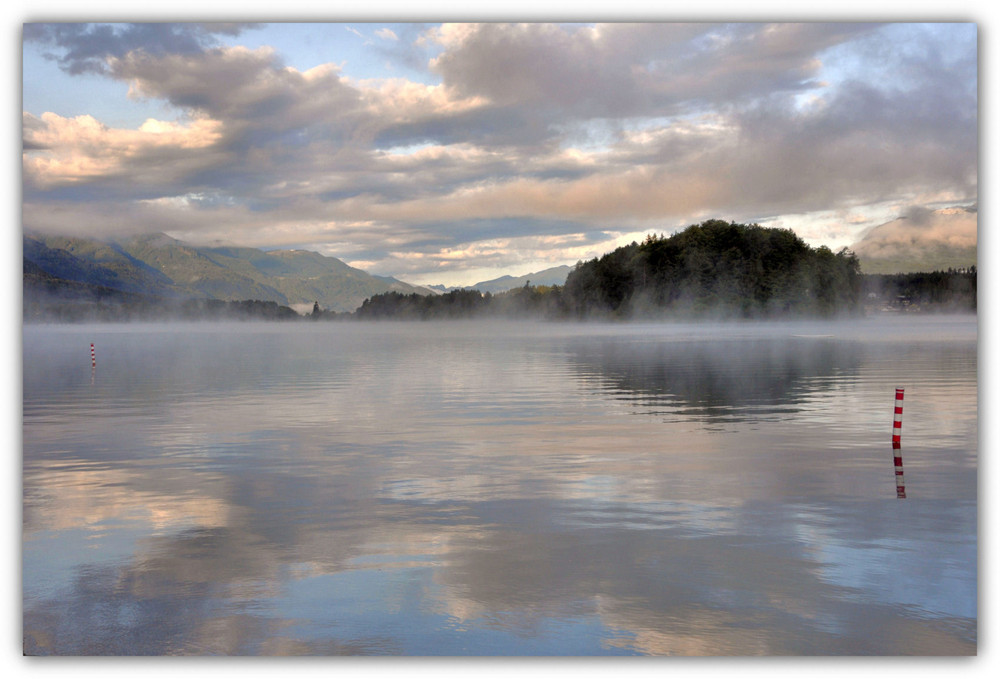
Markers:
point(455, 153)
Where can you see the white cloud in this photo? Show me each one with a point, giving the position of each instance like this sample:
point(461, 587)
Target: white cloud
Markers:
point(76, 150)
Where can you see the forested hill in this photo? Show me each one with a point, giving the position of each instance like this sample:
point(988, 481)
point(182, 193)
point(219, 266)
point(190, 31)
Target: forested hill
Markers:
point(713, 269)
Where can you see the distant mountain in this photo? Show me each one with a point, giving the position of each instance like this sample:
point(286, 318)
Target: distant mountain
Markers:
point(165, 267)
point(922, 240)
point(554, 276)
point(94, 263)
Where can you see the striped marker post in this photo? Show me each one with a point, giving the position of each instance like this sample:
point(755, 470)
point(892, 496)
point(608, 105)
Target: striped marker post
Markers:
point(897, 454)
point(897, 418)
point(93, 356)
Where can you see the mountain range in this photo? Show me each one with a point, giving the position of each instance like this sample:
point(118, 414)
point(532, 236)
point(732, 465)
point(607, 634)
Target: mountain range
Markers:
point(160, 266)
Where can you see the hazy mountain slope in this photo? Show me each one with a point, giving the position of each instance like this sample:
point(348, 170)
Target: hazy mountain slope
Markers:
point(921, 240)
point(160, 265)
point(49, 297)
point(198, 272)
point(95, 263)
point(927, 259)
point(304, 277)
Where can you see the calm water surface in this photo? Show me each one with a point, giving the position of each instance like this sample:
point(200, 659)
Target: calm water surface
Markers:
point(426, 489)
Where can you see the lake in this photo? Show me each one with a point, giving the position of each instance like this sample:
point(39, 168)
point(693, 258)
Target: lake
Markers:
point(500, 488)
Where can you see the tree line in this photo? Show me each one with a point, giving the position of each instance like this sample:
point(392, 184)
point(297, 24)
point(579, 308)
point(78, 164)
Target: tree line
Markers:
point(62, 302)
point(525, 302)
point(715, 269)
point(953, 290)
point(709, 270)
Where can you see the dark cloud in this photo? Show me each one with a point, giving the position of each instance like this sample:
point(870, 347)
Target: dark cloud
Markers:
point(782, 159)
point(86, 47)
point(489, 126)
point(634, 69)
point(438, 235)
point(537, 78)
point(918, 215)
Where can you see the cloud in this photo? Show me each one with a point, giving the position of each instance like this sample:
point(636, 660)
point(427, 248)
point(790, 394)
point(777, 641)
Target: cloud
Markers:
point(87, 47)
point(237, 84)
point(630, 69)
point(542, 128)
point(81, 149)
point(387, 34)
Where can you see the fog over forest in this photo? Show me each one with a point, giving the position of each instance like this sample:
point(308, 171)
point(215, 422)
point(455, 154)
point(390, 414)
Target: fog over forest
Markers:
point(708, 271)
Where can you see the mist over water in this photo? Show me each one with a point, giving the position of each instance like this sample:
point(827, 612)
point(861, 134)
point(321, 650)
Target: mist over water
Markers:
point(509, 488)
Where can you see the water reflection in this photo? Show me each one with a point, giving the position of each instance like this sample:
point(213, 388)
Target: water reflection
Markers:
point(525, 575)
point(721, 380)
point(464, 492)
point(897, 463)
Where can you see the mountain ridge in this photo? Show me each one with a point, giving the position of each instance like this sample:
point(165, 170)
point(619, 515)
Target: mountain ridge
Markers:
point(159, 265)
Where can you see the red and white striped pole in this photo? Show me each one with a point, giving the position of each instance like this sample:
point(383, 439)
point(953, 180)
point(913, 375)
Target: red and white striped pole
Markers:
point(897, 418)
point(897, 454)
point(93, 356)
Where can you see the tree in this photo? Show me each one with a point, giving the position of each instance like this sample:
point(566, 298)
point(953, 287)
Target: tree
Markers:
point(716, 268)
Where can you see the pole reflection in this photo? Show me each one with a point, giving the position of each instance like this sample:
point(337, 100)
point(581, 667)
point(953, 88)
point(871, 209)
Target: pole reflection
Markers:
point(897, 454)
point(897, 461)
